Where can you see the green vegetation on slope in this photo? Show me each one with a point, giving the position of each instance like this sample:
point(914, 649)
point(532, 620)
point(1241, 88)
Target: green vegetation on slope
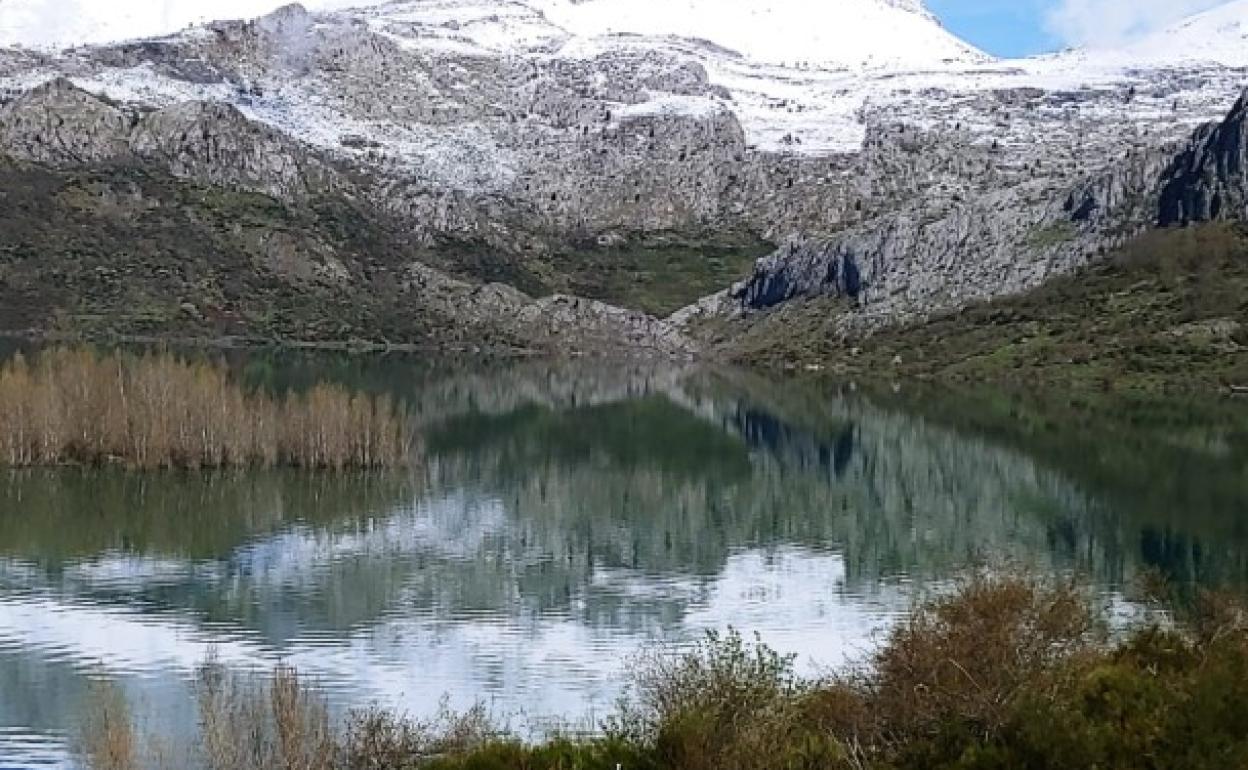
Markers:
point(1169, 311)
point(133, 252)
point(658, 273)
point(661, 274)
point(1005, 673)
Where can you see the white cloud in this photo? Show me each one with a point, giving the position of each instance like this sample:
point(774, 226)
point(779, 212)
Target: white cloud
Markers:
point(1111, 22)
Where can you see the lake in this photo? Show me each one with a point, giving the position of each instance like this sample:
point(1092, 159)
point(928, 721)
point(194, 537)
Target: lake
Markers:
point(568, 514)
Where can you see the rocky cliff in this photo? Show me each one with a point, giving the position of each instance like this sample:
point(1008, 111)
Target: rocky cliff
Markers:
point(1207, 180)
point(994, 238)
point(61, 125)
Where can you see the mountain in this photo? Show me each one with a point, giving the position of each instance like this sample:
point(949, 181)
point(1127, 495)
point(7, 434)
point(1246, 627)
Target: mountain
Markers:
point(853, 33)
point(635, 153)
point(1218, 35)
point(848, 33)
point(65, 23)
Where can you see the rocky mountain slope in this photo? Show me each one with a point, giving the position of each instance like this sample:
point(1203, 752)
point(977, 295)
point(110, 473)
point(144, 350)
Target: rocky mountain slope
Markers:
point(135, 252)
point(481, 143)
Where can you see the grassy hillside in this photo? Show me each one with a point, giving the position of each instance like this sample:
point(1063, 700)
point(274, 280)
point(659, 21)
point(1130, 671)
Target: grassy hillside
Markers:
point(1170, 311)
point(661, 274)
point(135, 252)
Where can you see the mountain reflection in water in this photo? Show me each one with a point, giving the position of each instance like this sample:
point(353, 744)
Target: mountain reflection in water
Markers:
point(569, 513)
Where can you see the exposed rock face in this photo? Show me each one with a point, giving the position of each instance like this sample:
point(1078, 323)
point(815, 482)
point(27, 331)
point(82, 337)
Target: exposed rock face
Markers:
point(1002, 238)
point(1207, 180)
point(215, 143)
point(62, 125)
point(568, 325)
point(59, 123)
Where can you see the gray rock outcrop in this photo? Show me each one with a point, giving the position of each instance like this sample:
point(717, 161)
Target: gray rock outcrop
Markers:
point(1207, 180)
point(63, 125)
point(995, 238)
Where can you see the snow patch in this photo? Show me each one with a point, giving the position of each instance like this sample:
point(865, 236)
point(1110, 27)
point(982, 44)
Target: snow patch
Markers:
point(859, 33)
point(801, 77)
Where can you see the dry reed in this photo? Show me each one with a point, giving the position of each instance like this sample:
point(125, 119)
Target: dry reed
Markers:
point(109, 735)
point(248, 721)
point(249, 725)
point(160, 411)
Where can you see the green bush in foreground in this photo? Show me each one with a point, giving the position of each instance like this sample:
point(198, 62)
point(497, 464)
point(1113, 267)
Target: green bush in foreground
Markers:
point(1003, 673)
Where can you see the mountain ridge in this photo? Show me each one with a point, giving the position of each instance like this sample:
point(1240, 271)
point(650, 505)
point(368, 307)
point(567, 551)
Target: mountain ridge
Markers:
point(498, 144)
point(777, 31)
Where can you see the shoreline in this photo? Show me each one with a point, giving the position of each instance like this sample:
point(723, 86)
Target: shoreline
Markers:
point(845, 370)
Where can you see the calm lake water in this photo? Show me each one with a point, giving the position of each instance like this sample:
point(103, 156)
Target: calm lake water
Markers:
point(567, 515)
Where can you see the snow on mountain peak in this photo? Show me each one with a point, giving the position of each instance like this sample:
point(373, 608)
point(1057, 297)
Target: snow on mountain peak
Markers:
point(1214, 38)
point(849, 33)
point(846, 33)
point(64, 23)
point(800, 76)
point(1219, 35)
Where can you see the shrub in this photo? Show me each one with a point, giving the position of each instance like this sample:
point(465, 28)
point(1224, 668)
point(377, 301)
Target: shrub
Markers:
point(556, 754)
point(965, 659)
point(725, 703)
point(375, 739)
point(249, 725)
point(1004, 673)
point(379, 740)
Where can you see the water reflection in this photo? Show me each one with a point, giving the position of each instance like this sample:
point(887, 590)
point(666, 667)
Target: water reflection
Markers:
point(568, 513)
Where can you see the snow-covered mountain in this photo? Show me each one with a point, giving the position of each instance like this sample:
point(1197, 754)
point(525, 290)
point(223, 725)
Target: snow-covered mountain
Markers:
point(849, 33)
point(875, 33)
point(860, 130)
point(1218, 35)
point(64, 23)
point(798, 75)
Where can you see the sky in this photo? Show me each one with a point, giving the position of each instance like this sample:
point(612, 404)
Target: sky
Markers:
point(1004, 28)
point(1023, 27)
